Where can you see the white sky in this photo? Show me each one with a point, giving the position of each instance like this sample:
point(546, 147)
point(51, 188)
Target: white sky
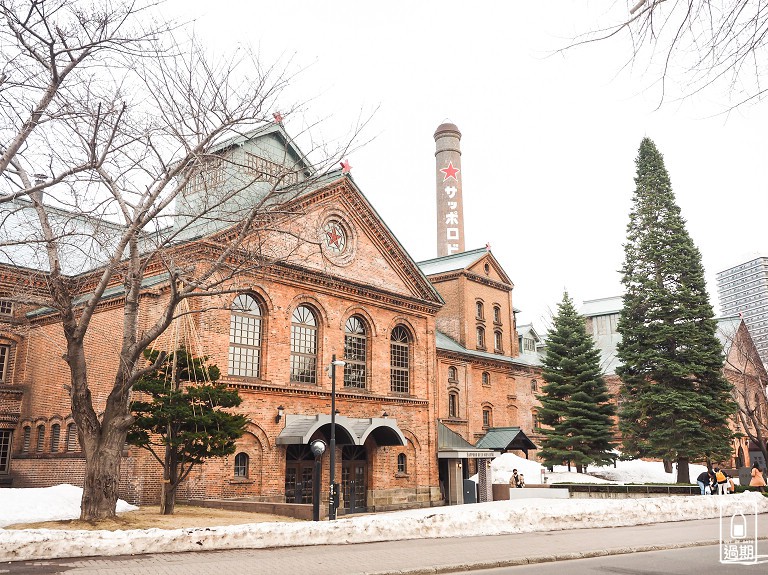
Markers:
point(548, 143)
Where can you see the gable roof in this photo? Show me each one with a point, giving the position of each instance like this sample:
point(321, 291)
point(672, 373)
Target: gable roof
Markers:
point(506, 439)
point(265, 130)
point(446, 343)
point(453, 262)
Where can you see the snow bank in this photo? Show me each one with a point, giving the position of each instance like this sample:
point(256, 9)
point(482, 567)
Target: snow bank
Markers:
point(496, 518)
point(44, 504)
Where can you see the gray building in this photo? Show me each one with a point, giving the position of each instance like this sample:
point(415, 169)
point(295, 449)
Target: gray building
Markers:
point(743, 289)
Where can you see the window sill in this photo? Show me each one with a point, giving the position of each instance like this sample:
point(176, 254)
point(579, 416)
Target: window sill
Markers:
point(401, 475)
point(481, 348)
point(241, 481)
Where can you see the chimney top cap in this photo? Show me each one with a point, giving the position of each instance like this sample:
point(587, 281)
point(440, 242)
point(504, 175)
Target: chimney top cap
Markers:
point(447, 126)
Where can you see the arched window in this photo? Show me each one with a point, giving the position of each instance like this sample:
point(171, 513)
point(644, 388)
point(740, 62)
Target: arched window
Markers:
point(245, 337)
point(355, 353)
point(534, 385)
point(497, 341)
point(453, 374)
point(26, 438)
point(399, 352)
point(241, 465)
point(40, 438)
point(55, 433)
point(402, 463)
point(486, 378)
point(487, 417)
point(479, 310)
point(535, 423)
point(480, 337)
point(304, 346)
point(72, 442)
point(453, 404)
point(496, 314)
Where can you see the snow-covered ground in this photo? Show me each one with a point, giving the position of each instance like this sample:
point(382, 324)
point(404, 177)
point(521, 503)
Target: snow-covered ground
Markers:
point(636, 471)
point(499, 517)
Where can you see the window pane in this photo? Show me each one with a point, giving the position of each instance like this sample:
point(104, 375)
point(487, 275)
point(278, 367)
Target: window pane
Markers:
point(5, 352)
point(355, 351)
point(40, 438)
point(72, 441)
point(55, 432)
point(26, 438)
point(399, 360)
point(303, 346)
point(5, 450)
point(245, 337)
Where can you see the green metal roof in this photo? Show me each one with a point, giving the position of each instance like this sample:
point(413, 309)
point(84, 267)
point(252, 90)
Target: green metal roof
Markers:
point(448, 439)
point(506, 438)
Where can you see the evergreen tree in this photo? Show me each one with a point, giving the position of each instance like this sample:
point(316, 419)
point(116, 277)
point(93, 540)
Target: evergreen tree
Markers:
point(183, 423)
point(576, 404)
point(675, 401)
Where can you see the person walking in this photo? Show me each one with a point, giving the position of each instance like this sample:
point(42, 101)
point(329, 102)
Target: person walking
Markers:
point(757, 477)
point(514, 481)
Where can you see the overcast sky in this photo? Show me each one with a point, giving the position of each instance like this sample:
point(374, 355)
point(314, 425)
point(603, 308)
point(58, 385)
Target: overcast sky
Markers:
point(548, 141)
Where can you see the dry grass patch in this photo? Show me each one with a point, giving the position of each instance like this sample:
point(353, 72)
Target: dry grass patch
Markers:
point(149, 516)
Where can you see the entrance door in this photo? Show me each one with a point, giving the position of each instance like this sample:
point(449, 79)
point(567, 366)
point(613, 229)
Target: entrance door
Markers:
point(299, 474)
point(354, 478)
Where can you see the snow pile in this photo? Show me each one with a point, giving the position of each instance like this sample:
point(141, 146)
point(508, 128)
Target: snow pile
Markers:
point(639, 471)
point(496, 518)
point(573, 477)
point(502, 466)
point(44, 504)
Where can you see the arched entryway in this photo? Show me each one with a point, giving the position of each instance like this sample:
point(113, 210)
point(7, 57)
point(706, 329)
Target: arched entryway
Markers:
point(299, 474)
point(354, 478)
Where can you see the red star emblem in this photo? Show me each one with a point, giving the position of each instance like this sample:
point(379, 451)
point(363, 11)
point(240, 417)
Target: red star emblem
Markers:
point(450, 172)
point(278, 117)
point(333, 237)
point(345, 167)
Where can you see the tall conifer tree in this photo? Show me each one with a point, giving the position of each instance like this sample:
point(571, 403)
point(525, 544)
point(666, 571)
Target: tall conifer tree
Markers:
point(576, 405)
point(675, 401)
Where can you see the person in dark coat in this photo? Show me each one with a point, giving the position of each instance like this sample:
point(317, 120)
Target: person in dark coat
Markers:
point(705, 478)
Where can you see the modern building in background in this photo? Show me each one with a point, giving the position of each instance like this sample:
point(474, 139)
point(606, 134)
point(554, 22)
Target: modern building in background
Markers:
point(743, 290)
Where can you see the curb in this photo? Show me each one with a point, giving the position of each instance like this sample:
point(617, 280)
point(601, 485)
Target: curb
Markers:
point(544, 559)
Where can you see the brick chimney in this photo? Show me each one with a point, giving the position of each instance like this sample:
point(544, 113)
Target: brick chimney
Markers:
point(450, 213)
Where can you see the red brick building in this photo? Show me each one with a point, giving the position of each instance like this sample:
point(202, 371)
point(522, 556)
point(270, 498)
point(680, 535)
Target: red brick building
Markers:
point(407, 333)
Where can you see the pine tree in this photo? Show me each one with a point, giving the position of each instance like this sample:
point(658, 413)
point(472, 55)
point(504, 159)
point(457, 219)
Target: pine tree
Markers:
point(675, 401)
point(576, 404)
point(183, 423)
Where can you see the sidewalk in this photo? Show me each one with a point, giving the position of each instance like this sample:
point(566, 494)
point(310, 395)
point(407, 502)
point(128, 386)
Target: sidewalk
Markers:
point(410, 557)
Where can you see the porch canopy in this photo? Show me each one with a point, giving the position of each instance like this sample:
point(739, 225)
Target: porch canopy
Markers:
point(451, 445)
point(506, 439)
point(299, 429)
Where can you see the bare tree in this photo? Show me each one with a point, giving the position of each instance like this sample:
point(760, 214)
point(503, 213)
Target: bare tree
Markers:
point(695, 43)
point(136, 135)
point(746, 372)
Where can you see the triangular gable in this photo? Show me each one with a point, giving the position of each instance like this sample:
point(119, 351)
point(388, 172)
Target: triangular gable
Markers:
point(275, 130)
point(506, 439)
point(472, 262)
point(372, 256)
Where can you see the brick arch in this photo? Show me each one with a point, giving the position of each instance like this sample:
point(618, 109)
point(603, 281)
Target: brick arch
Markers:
point(261, 295)
point(258, 432)
point(14, 337)
point(357, 310)
point(401, 320)
point(312, 302)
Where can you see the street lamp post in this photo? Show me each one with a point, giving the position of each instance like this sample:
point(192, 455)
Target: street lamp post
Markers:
point(333, 499)
point(318, 448)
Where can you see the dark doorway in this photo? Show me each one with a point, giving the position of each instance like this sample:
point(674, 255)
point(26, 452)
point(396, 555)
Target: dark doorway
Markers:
point(354, 478)
point(299, 473)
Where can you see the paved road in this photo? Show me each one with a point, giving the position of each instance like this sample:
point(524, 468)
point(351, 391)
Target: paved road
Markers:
point(684, 561)
point(416, 556)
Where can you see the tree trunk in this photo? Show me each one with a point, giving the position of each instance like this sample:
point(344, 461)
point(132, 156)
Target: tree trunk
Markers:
point(102, 472)
point(683, 472)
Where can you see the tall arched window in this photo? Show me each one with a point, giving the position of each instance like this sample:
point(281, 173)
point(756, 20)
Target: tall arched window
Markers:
point(72, 442)
point(304, 346)
point(479, 310)
point(399, 352)
point(480, 337)
point(453, 374)
point(453, 404)
point(497, 341)
point(241, 465)
point(355, 353)
point(496, 314)
point(486, 378)
point(40, 438)
point(402, 463)
point(245, 337)
point(534, 385)
point(55, 434)
point(26, 438)
point(487, 417)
